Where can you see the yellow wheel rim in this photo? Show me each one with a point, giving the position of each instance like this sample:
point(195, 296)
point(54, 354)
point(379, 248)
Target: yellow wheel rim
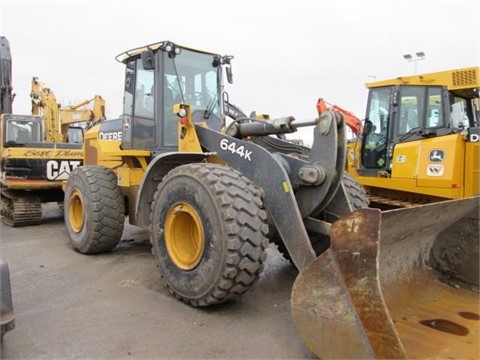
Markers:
point(75, 211)
point(184, 236)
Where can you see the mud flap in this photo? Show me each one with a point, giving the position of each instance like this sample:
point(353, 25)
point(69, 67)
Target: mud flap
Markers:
point(374, 293)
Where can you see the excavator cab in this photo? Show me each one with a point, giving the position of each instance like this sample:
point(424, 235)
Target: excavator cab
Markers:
point(18, 130)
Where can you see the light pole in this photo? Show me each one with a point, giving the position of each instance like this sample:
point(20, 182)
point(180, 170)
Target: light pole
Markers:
point(419, 56)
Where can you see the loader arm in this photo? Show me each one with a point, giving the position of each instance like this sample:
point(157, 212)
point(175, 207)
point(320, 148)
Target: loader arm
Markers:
point(293, 187)
point(279, 198)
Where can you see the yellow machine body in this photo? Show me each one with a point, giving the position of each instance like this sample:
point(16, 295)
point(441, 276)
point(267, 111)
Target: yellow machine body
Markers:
point(371, 283)
point(438, 158)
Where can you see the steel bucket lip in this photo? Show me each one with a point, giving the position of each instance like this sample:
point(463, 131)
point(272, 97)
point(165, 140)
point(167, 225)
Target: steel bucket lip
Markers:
point(370, 293)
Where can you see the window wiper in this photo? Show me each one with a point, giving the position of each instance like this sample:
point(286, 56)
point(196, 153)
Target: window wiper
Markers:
point(210, 107)
point(178, 80)
point(411, 132)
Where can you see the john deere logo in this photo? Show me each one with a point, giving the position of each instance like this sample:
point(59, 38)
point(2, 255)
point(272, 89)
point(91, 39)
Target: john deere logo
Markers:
point(437, 155)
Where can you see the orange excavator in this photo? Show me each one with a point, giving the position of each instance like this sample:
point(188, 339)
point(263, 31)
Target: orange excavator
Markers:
point(353, 122)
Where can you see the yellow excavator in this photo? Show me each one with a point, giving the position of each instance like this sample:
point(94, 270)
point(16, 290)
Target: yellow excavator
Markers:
point(39, 151)
point(213, 193)
point(61, 123)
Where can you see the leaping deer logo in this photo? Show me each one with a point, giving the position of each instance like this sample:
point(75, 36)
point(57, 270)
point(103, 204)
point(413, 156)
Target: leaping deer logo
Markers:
point(437, 155)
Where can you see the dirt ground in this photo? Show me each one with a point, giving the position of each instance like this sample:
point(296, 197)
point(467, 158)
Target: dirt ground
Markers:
point(114, 305)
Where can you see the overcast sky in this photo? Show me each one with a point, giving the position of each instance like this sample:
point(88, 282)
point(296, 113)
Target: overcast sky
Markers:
point(287, 54)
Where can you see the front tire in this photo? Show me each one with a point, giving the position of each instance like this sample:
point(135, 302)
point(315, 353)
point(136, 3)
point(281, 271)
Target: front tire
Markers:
point(94, 209)
point(358, 200)
point(208, 233)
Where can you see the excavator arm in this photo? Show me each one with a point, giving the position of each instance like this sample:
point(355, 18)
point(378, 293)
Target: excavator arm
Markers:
point(351, 120)
point(76, 114)
point(6, 77)
point(45, 104)
point(56, 119)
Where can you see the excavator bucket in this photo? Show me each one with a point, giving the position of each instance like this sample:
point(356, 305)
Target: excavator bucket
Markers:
point(394, 285)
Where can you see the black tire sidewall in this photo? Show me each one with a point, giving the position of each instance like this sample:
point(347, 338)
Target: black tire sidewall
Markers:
point(78, 182)
point(200, 281)
point(103, 209)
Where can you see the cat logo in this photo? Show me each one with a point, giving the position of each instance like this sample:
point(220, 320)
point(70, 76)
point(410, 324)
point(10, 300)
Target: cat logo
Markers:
point(60, 169)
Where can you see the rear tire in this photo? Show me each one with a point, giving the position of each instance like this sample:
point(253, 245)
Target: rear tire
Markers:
point(356, 193)
point(94, 209)
point(208, 233)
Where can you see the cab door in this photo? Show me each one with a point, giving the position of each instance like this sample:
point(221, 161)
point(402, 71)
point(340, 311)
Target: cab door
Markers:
point(139, 128)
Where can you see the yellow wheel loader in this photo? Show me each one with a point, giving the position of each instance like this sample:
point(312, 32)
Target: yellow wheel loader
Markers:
point(214, 193)
point(421, 139)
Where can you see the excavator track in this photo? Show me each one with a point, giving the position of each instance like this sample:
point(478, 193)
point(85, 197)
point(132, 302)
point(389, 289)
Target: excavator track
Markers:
point(20, 210)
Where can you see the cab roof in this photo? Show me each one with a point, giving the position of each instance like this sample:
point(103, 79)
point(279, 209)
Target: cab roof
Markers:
point(455, 79)
point(127, 55)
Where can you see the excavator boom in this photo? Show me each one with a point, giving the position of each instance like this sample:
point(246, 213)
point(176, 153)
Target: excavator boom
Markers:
point(44, 103)
point(351, 120)
point(6, 77)
point(75, 114)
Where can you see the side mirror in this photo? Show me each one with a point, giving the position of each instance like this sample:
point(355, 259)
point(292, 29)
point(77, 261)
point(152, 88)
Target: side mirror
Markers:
point(228, 69)
point(148, 60)
point(227, 60)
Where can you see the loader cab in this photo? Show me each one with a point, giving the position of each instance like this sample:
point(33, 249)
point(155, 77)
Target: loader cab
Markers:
point(397, 114)
point(159, 76)
point(403, 113)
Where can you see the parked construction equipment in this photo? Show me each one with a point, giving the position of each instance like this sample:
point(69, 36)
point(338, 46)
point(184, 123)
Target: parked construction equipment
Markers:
point(213, 194)
point(421, 144)
point(421, 141)
point(35, 157)
point(59, 122)
point(352, 121)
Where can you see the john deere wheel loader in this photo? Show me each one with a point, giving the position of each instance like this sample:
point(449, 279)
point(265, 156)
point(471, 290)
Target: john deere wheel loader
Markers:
point(212, 195)
point(421, 139)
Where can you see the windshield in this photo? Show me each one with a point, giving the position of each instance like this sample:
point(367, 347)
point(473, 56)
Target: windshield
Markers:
point(23, 131)
point(191, 78)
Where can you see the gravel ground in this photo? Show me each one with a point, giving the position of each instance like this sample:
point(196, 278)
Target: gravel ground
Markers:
point(114, 305)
